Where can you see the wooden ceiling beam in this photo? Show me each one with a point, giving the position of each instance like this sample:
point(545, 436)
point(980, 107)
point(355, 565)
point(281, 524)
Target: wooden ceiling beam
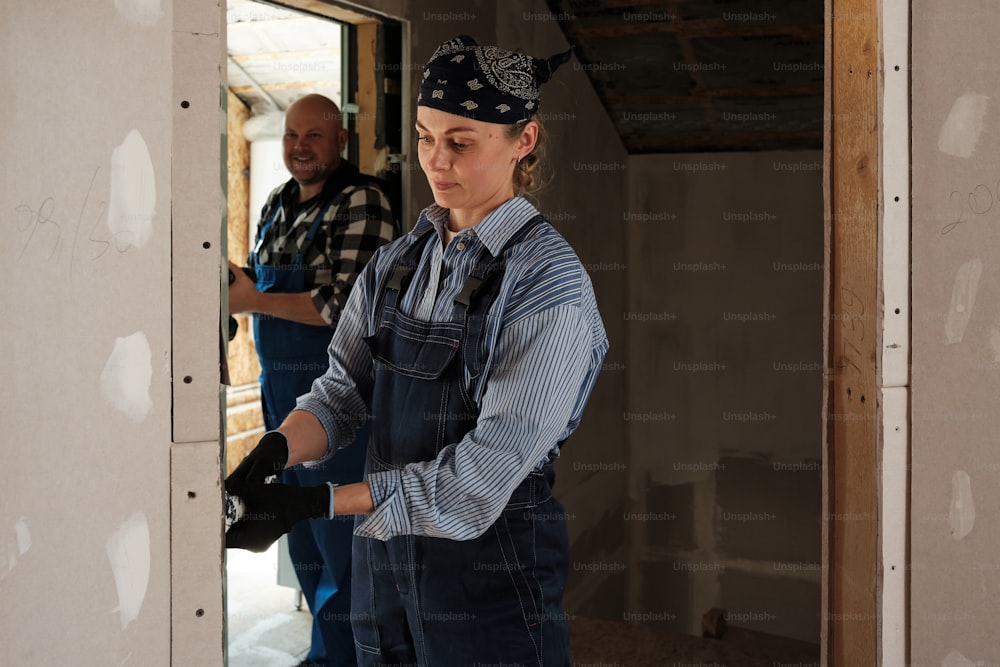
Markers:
point(694, 71)
point(763, 92)
point(698, 28)
point(722, 140)
point(269, 56)
point(287, 85)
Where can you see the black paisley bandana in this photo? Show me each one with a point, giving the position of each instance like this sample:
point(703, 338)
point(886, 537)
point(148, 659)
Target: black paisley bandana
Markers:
point(485, 83)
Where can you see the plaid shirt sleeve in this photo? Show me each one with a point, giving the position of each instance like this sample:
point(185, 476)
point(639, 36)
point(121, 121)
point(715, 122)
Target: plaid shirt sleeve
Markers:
point(363, 222)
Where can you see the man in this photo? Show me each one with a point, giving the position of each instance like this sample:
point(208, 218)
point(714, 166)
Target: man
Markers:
point(316, 233)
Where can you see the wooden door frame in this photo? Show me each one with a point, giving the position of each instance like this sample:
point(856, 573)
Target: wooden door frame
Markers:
point(852, 584)
point(866, 195)
point(850, 512)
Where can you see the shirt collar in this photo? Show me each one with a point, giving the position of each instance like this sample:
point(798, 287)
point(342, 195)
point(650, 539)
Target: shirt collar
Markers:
point(494, 230)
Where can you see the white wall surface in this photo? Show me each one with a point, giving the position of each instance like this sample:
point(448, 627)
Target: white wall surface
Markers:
point(955, 462)
point(99, 325)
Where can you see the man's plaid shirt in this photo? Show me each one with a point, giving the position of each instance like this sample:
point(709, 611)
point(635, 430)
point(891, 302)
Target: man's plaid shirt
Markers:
point(357, 221)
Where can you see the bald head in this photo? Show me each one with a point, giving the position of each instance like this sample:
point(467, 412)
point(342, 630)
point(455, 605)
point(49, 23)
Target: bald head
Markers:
point(316, 105)
point(313, 140)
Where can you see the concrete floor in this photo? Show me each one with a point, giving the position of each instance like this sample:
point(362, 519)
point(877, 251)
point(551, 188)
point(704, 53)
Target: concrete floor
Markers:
point(264, 628)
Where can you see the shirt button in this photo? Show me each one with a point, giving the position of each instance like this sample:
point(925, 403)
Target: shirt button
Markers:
point(460, 246)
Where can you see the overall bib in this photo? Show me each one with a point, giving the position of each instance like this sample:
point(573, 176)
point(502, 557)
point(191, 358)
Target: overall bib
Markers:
point(438, 602)
point(291, 356)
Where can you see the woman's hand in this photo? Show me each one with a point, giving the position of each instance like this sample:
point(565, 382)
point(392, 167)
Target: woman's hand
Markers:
point(272, 510)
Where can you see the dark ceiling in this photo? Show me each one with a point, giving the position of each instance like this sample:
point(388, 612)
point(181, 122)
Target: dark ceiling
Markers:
point(703, 75)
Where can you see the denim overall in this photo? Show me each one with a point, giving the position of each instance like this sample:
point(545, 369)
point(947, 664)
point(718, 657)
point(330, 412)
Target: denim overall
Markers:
point(291, 356)
point(438, 602)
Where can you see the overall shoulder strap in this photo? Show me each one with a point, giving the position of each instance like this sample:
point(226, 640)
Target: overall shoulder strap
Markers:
point(478, 294)
point(476, 287)
point(394, 280)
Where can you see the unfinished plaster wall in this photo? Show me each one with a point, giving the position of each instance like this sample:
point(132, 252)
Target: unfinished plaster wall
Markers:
point(724, 332)
point(110, 519)
point(584, 201)
point(955, 571)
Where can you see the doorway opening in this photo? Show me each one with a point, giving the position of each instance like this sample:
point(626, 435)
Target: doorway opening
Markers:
point(715, 501)
point(276, 53)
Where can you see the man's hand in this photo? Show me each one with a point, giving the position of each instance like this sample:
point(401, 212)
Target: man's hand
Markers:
point(295, 306)
point(272, 510)
point(242, 293)
point(267, 459)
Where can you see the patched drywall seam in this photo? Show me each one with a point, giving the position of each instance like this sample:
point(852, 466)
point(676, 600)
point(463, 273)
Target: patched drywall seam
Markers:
point(140, 12)
point(962, 515)
point(133, 193)
point(128, 553)
point(962, 128)
point(963, 299)
point(127, 375)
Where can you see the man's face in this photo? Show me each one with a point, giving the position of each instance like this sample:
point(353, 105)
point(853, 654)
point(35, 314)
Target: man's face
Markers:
point(312, 141)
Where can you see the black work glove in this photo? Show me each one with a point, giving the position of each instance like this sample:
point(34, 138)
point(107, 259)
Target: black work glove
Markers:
point(272, 510)
point(267, 458)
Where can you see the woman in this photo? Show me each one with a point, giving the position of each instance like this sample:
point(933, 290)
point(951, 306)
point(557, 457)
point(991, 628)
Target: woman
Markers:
point(473, 343)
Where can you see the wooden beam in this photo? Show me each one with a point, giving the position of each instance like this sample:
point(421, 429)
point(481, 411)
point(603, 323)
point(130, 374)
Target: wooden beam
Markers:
point(271, 56)
point(691, 58)
point(707, 141)
point(850, 618)
point(288, 85)
point(612, 100)
point(337, 12)
point(714, 28)
point(367, 96)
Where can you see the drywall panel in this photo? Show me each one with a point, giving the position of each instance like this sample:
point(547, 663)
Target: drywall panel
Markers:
point(198, 212)
point(86, 392)
point(955, 494)
point(89, 133)
point(197, 614)
point(895, 417)
point(893, 366)
point(894, 174)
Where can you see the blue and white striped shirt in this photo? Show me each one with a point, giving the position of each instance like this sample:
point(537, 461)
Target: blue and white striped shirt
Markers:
point(545, 342)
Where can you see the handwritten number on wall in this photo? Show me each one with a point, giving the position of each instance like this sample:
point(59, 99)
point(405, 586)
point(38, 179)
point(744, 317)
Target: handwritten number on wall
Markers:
point(979, 201)
point(42, 227)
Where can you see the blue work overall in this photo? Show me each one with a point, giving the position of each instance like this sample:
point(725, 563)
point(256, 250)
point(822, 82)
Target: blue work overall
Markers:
point(291, 356)
point(435, 602)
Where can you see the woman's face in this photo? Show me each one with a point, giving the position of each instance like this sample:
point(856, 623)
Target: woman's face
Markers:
point(468, 163)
